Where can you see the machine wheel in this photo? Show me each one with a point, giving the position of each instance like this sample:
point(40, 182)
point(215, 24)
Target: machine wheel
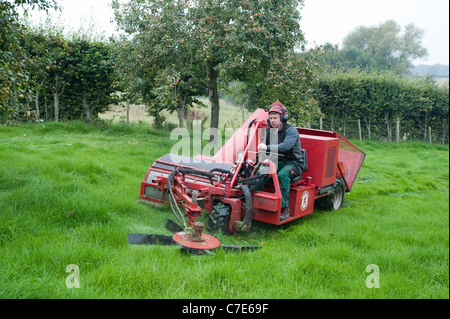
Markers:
point(219, 218)
point(335, 200)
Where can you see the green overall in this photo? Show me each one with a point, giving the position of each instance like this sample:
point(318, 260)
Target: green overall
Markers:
point(284, 169)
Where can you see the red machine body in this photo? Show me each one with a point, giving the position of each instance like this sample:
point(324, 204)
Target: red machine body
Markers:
point(220, 185)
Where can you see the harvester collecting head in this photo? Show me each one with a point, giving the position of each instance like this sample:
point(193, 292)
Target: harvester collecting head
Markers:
point(228, 186)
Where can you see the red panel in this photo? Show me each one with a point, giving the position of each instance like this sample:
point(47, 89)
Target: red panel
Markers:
point(352, 158)
point(301, 201)
point(320, 158)
point(266, 207)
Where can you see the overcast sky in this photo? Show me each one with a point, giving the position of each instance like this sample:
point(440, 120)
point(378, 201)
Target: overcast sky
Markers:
point(330, 21)
point(322, 20)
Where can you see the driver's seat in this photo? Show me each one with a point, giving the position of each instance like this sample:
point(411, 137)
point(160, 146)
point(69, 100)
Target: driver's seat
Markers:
point(304, 167)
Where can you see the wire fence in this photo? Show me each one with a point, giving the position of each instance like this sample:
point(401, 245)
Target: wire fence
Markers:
point(397, 131)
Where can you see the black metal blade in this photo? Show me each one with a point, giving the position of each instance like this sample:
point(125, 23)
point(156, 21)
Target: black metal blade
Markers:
point(149, 239)
point(173, 227)
point(197, 251)
point(233, 248)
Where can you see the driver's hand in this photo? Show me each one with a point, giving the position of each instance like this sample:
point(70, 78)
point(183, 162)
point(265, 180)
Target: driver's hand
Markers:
point(262, 147)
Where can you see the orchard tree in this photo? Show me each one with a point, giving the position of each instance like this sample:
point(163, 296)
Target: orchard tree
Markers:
point(14, 81)
point(59, 51)
point(126, 79)
point(248, 40)
point(162, 62)
point(35, 45)
point(254, 42)
point(39, 4)
point(293, 81)
point(91, 75)
point(15, 88)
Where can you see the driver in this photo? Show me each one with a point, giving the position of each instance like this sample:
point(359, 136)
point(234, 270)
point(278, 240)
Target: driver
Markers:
point(284, 140)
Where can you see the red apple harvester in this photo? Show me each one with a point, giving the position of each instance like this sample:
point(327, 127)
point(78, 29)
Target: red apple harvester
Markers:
point(223, 186)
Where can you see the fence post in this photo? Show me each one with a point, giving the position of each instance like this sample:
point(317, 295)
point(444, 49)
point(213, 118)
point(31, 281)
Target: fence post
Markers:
point(359, 129)
point(128, 110)
point(321, 122)
point(429, 133)
point(397, 130)
point(444, 133)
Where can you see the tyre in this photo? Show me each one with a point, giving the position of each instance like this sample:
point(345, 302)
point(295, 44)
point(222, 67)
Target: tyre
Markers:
point(219, 219)
point(335, 200)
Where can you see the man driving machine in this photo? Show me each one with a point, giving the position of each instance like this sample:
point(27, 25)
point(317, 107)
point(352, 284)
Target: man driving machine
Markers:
point(283, 140)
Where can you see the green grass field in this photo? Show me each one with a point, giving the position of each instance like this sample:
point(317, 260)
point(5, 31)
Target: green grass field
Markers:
point(69, 195)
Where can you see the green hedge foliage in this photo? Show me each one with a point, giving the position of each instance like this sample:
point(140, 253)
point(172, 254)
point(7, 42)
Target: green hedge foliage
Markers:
point(380, 100)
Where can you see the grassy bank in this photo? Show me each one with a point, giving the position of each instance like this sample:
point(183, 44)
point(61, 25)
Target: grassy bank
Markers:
point(68, 195)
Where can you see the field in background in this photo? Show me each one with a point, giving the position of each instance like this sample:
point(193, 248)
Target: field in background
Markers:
point(69, 196)
point(230, 115)
point(442, 81)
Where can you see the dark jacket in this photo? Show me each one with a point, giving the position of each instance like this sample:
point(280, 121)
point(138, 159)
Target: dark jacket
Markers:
point(287, 144)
